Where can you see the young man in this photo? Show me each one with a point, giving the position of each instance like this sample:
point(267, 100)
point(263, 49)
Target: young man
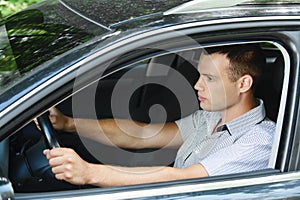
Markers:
point(230, 135)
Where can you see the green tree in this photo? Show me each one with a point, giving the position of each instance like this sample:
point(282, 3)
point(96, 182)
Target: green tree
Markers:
point(8, 7)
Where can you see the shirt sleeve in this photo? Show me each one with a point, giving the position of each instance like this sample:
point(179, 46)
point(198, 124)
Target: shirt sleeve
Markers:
point(249, 153)
point(188, 125)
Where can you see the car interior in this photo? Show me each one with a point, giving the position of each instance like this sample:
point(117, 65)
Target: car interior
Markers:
point(146, 87)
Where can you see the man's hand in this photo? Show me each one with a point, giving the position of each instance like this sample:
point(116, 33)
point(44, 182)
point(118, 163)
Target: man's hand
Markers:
point(59, 121)
point(67, 165)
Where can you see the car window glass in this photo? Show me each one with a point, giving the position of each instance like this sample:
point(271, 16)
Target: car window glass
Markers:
point(8, 69)
point(143, 91)
point(34, 36)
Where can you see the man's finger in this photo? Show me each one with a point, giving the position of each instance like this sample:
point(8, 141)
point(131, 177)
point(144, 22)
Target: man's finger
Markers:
point(37, 124)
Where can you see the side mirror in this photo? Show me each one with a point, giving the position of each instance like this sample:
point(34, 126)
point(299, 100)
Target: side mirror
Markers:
point(6, 190)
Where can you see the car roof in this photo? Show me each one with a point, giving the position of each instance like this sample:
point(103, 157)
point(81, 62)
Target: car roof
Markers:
point(113, 13)
point(109, 13)
point(200, 5)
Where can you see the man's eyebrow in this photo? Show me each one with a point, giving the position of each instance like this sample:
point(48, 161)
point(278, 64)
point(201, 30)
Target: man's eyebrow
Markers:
point(205, 74)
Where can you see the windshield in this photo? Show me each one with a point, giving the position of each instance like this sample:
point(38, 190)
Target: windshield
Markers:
point(8, 65)
point(36, 35)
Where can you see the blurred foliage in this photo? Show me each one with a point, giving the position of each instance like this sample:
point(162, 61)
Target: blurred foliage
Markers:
point(27, 41)
point(8, 7)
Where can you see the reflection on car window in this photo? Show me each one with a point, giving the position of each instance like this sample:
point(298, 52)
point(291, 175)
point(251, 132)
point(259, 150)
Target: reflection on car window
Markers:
point(8, 65)
point(31, 38)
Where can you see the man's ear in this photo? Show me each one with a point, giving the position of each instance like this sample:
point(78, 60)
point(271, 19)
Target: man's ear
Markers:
point(245, 83)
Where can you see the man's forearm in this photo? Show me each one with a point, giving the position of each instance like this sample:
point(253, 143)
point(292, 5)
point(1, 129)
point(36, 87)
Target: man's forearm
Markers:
point(107, 176)
point(126, 133)
point(115, 132)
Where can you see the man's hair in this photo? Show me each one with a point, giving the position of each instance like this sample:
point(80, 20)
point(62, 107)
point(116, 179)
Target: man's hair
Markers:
point(243, 59)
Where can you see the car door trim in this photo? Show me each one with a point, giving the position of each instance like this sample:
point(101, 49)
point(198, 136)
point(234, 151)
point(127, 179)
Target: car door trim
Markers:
point(169, 188)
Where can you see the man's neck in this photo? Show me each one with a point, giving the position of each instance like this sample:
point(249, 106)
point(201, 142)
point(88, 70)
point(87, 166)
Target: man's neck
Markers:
point(237, 110)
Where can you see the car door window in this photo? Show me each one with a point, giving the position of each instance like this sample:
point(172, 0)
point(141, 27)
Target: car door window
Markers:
point(144, 91)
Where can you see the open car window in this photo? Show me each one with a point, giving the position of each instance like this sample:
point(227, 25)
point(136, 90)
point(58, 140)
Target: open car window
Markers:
point(156, 89)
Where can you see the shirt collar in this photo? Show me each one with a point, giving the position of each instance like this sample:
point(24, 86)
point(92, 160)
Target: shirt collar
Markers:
point(247, 120)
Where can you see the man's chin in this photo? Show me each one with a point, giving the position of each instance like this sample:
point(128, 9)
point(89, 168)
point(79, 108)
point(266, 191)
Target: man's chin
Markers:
point(205, 107)
point(208, 107)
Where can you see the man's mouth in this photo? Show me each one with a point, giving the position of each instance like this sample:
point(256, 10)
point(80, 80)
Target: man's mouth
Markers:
point(200, 98)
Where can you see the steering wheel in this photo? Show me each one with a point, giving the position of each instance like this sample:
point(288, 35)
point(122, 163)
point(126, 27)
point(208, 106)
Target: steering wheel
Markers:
point(48, 131)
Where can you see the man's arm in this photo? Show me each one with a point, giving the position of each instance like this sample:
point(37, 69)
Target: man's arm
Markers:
point(122, 133)
point(119, 176)
point(68, 166)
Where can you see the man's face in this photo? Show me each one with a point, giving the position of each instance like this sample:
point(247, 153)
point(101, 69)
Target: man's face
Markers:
point(216, 92)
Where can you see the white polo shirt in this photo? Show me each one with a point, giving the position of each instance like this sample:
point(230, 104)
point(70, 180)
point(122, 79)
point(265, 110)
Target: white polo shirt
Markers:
point(243, 145)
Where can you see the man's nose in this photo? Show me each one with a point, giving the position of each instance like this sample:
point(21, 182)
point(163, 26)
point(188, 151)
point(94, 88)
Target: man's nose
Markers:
point(199, 84)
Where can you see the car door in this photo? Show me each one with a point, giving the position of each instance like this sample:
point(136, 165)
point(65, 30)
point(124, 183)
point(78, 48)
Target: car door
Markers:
point(141, 48)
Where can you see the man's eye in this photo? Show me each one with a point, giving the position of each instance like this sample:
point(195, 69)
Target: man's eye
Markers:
point(209, 78)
